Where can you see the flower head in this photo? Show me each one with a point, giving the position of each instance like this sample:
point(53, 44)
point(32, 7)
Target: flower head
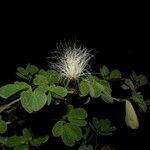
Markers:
point(72, 61)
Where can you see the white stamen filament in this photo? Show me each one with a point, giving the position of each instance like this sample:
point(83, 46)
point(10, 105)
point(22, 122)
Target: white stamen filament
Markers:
point(72, 62)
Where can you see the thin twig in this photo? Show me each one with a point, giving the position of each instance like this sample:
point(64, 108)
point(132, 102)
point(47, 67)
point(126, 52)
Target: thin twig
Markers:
point(6, 106)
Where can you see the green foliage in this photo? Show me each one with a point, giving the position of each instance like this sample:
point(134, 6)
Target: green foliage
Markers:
point(33, 100)
point(76, 116)
point(39, 140)
point(11, 89)
point(70, 131)
point(109, 75)
point(104, 71)
point(3, 126)
point(137, 97)
point(21, 147)
point(14, 141)
point(102, 126)
point(96, 88)
point(115, 74)
point(58, 90)
point(47, 90)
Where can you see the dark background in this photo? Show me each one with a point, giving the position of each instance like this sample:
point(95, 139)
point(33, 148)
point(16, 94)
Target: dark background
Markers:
point(120, 39)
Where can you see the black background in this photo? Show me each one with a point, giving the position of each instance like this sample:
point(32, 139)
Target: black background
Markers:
point(120, 38)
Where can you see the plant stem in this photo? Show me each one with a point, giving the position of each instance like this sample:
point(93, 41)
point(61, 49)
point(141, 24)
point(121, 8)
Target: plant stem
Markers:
point(119, 99)
point(6, 106)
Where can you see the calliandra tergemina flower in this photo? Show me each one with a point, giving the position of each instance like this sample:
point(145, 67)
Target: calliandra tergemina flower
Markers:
point(72, 61)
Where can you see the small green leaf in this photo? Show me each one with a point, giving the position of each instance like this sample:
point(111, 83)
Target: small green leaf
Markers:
point(137, 97)
point(95, 89)
point(32, 69)
point(106, 97)
point(27, 134)
point(115, 74)
point(39, 140)
point(130, 84)
point(105, 124)
point(51, 75)
point(77, 113)
point(14, 141)
point(84, 88)
point(142, 107)
point(33, 101)
point(22, 71)
point(10, 89)
point(71, 133)
point(60, 91)
point(3, 126)
point(142, 80)
point(40, 80)
point(106, 85)
point(125, 87)
point(95, 122)
point(78, 122)
point(104, 71)
point(21, 147)
point(21, 76)
point(57, 129)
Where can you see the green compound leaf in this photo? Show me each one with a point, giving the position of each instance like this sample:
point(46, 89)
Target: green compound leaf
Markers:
point(115, 74)
point(32, 69)
point(60, 91)
point(95, 89)
point(22, 71)
point(130, 84)
point(106, 97)
point(102, 126)
point(104, 71)
point(39, 140)
point(106, 85)
point(77, 113)
point(57, 129)
point(86, 147)
point(22, 147)
point(125, 87)
point(27, 134)
point(51, 75)
point(3, 126)
point(14, 141)
point(40, 80)
point(78, 122)
point(76, 116)
point(96, 123)
point(137, 97)
point(139, 79)
point(71, 133)
point(105, 125)
point(21, 76)
point(84, 88)
point(11, 89)
point(33, 101)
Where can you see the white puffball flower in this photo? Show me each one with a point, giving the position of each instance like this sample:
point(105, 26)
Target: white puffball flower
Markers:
point(72, 61)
